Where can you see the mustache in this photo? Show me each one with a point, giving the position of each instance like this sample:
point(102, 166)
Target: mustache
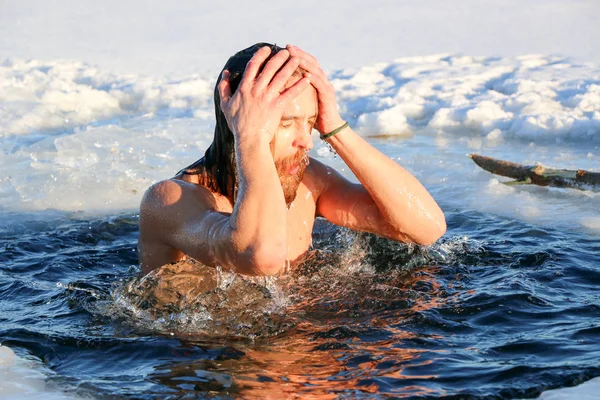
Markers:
point(300, 158)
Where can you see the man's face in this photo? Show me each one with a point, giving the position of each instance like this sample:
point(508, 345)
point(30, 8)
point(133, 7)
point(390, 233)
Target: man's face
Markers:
point(293, 139)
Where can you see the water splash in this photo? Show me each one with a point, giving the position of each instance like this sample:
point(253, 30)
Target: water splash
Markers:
point(224, 277)
point(191, 298)
point(350, 270)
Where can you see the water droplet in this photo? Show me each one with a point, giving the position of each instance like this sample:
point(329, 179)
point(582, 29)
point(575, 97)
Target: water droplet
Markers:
point(330, 148)
point(305, 158)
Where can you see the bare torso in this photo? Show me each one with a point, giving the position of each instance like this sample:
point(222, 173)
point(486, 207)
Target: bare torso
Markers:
point(301, 218)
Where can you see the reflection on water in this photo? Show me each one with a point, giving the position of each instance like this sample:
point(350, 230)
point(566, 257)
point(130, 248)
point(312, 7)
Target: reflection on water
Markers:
point(303, 366)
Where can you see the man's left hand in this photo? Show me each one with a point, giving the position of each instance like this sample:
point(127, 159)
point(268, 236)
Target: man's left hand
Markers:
point(329, 118)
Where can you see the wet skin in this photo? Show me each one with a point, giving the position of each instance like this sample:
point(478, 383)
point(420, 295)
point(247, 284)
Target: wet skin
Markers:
point(301, 214)
point(272, 116)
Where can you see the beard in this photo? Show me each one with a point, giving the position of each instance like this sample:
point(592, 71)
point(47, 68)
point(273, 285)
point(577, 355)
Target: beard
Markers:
point(291, 182)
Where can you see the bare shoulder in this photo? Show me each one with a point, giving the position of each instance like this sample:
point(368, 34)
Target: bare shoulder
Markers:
point(169, 201)
point(163, 193)
point(169, 212)
point(317, 167)
point(320, 176)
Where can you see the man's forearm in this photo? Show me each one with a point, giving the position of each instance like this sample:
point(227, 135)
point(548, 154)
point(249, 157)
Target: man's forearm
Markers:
point(399, 196)
point(258, 220)
point(404, 204)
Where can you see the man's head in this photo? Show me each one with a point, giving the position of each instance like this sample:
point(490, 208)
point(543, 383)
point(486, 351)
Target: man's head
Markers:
point(289, 147)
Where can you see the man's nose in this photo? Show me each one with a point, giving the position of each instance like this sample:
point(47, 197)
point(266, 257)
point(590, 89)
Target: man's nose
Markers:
point(304, 137)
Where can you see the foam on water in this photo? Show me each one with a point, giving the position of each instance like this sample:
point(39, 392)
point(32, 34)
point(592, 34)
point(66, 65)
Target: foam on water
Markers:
point(193, 299)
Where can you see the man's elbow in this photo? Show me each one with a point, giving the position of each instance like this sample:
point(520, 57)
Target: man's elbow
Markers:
point(266, 261)
point(436, 230)
point(424, 235)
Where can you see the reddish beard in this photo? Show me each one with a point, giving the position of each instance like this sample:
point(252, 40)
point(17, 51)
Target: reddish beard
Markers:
point(290, 182)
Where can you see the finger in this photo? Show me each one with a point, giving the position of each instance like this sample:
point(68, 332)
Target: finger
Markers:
point(271, 68)
point(313, 68)
point(224, 88)
point(254, 65)
point(297, 51)
point(293, 91)
point(284, 75)
point(322, 85)
point(307, 61)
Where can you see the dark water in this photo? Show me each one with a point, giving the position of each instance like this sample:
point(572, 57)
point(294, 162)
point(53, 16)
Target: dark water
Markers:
point(498, 309)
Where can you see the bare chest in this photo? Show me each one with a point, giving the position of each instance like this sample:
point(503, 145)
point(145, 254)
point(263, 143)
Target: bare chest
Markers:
point(300, 221)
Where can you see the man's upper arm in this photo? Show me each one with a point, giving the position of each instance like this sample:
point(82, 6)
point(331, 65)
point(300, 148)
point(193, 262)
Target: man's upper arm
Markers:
point(183, 216)
point(350, 205)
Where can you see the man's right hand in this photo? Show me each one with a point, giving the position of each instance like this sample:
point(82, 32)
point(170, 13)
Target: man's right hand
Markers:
point(254, 111)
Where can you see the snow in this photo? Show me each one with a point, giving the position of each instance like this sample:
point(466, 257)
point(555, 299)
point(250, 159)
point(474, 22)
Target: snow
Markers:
point(76, 137)
point(100, 99)
point(586, 391)
point(46, 96)
point(24, 379)
point(541, 98)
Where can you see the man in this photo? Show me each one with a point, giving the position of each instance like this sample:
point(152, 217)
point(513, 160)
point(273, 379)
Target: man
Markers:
point(250, 203)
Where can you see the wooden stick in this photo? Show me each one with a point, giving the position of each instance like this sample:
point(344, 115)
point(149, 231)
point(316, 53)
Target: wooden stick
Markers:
point(540, 175)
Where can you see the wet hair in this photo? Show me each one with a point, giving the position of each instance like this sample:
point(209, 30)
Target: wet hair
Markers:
point(218, 163)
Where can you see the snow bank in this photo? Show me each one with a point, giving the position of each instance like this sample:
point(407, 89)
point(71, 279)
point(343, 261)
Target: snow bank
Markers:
point(534, 98)
point(74, 137)
point(45, 96)
point(531, 97)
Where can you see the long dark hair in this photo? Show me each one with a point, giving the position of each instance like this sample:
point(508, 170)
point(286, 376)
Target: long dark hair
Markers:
point(218, 163)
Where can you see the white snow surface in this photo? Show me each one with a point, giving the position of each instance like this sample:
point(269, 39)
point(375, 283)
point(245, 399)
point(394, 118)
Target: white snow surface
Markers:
point(25, 379)
point(100, 99)
point(586, 391)
point(531, 97)
point(74, 137)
